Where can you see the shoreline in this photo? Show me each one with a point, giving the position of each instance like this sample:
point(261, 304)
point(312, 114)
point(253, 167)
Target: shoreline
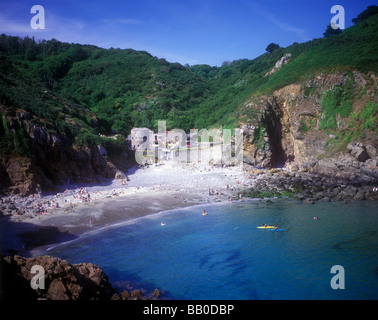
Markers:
point(110, 220)
point(87, 232)
point(150, 190)
point(147, 191)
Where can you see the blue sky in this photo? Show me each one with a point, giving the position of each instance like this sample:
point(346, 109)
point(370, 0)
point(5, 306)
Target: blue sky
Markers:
point(191, 31)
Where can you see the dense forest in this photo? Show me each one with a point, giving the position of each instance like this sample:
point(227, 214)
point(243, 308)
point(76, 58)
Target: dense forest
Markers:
point(82, 91)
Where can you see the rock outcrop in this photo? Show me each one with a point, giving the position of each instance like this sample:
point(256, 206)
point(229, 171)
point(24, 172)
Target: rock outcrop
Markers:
point(358, 151)
point(63, 281)
point(284, 129)
point(53, 159)
point(284, 60)
point(310, 185)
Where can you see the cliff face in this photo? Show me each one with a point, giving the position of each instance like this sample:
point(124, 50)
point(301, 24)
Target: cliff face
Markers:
point(320, 124)
point(51, 159)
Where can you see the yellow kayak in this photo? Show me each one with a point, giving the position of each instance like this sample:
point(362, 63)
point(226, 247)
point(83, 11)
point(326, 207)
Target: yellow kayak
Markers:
point(267, 227)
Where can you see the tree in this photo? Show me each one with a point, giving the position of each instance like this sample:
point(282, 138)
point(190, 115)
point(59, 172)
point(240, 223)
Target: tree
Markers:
point(330, 31)
point(371, 10)
point(271, 47)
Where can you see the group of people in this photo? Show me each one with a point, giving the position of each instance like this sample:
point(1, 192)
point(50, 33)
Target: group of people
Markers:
point(82, 195)
point(212, 192)
point(78, 193)
point(41, 210)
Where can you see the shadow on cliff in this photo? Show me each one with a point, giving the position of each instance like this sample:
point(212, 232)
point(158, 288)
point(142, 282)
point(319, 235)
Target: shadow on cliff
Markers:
point(102, 183)
point(132, 170)
point(22, 237)
point(72, 186)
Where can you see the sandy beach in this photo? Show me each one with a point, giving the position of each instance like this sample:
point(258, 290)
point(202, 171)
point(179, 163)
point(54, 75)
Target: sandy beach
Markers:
point(147, 190)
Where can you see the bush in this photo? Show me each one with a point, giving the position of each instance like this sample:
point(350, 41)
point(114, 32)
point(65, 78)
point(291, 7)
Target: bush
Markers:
point(13, 141)
point(370, 110)
point(368, 114)
point(87, 139)
point(271, 47)
point(336, 101)
point(369, 124)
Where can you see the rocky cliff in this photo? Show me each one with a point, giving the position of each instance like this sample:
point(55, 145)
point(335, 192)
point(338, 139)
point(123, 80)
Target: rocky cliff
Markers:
point(288, 125)
point(51, 159)
point(325, 125)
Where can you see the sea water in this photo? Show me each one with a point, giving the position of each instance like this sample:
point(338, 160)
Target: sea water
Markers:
point(223, 255)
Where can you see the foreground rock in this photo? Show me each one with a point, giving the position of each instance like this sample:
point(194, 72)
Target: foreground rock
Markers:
point(63, 281)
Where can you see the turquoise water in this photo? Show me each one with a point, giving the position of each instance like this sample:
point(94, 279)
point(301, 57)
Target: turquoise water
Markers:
point(224, 256)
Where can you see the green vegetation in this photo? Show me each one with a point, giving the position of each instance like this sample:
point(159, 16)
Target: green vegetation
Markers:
point(13, 141)
point(336, 102)
point(271, 47)
point(353, 49)
point(82, 91)
point(259, 137)
point(367, 115)
point(370, 11)
point(330, 31)
point(74, 124)
point(304, 127)
point(358, 123)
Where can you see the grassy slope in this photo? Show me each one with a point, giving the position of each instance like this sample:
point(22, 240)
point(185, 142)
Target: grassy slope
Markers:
point(127, 88)
point(354, 49)
point(19, 93)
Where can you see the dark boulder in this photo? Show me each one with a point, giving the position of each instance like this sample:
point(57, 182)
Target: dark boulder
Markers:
point(63, 281)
